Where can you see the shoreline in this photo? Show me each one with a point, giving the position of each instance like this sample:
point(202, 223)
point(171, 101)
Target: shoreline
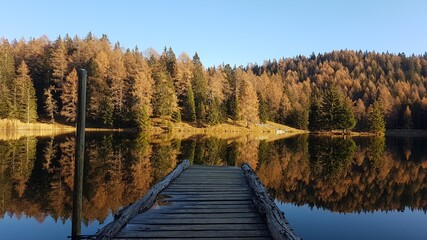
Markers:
point(14, 129)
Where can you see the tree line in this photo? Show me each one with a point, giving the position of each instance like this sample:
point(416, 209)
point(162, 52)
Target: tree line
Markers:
point(126, 87)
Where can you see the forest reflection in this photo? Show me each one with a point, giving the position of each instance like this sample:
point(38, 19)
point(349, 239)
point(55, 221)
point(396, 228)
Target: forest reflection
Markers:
point(338, 174)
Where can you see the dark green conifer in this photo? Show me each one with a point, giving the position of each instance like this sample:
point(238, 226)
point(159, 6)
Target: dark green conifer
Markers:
point(376, 123)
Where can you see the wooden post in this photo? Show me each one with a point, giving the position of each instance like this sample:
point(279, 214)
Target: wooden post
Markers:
point(79, 156)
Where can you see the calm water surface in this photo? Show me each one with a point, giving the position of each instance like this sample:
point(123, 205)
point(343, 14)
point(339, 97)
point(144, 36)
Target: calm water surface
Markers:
point(329, 188)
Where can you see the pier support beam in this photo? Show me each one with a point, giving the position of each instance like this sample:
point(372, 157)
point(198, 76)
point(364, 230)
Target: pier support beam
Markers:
point(79, 157)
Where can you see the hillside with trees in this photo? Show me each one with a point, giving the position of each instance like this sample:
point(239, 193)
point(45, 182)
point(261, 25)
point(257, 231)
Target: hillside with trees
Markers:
point(366, 91)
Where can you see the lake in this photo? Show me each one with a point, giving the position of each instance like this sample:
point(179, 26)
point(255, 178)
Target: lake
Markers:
point(328, 187)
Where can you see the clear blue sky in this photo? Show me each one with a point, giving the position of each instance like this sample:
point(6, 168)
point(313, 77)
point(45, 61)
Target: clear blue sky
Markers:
point(230, 31)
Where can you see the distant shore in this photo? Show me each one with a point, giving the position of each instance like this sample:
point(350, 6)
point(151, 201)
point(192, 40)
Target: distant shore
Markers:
point(406, 133)
point(11, 129)
point(15, 129)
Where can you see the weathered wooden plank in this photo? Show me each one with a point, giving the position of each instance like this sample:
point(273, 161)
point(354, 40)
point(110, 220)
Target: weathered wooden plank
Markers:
point(201, 191)
point(153, 215)
point(208, 183)
point(189, 205)
point(211, 182)
point(194, 227)
point(204, 210)
point(199, 221)
point(214, 173)
point(214, 186)
point(207, 195)
point(222, 171)
point(141, 205)
point(201, 198)
point(198, 238)
point(208, 171)
point(210, 186)
point(178, 238)
point(214, 167)
point(275, 218)
point(206, 189)
point(211, 178)
point(216, 203)
point(204, 192)
point(199, 234)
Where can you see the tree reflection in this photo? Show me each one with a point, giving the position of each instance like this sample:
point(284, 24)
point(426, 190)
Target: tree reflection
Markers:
point(219, 152)
point(345, 175)
point(330, 156)
point(36, 176)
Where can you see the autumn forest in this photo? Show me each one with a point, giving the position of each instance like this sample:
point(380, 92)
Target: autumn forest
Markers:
point(365, 91)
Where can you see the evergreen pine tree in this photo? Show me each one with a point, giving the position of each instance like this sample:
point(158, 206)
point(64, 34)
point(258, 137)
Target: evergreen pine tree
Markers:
point(7, 76)
point(118, 88)
point(164, 98)
point(345, 118)
point(143, 118)
point(330, 109)
point(140, 87)
point(314, 116)
point(213, 112)
point(232, 104)
point(100, 106)
point(189, 111)
point(171, 64)
point(262, 109)
point(26, 95)
point(376, 123)
point(199, 85)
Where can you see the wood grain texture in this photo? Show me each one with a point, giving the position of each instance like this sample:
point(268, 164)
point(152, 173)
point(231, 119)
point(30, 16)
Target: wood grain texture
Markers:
point(203, 202)
point(196, 227)
point(276, 221)
point(196, 234)
point(141, 205)
point(207, 202)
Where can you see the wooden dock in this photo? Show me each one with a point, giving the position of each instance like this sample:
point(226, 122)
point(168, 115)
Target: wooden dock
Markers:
point(197, 202)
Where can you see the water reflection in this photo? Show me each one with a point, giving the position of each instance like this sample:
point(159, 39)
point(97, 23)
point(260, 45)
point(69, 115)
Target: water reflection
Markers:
point(345, 175)
point(36, 175)
point(338, 174)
